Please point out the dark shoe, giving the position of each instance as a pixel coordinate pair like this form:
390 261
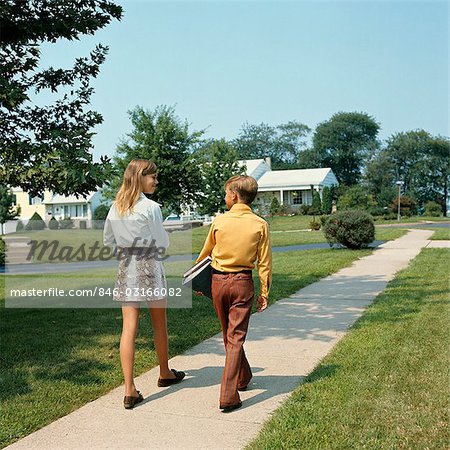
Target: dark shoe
129 401
244 388
227 409
164 382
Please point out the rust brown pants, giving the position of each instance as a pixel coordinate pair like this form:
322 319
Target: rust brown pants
233 297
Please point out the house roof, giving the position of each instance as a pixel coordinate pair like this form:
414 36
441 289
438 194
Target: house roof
58 199
294 177
255 167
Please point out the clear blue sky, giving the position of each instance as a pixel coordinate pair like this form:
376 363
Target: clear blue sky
224 63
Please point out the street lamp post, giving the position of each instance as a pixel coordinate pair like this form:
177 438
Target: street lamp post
399 184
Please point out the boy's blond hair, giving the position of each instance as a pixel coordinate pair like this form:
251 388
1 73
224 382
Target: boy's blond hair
246 187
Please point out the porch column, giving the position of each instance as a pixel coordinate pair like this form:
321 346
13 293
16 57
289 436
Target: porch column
281 196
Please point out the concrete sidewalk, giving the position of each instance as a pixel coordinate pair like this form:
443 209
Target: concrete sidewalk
284 344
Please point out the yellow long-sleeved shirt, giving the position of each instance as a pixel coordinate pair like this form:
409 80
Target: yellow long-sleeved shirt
236 240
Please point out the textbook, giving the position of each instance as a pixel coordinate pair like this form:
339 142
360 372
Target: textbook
199 277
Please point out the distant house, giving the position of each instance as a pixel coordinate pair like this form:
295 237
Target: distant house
58 206
292 186
77 208
28 204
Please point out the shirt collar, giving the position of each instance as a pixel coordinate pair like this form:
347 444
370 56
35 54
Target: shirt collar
240 207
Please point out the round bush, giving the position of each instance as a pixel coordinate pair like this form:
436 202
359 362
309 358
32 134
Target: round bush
20 226
353 229
53 224
66 224
432 209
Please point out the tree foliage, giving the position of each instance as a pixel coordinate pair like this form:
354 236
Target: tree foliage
422 163
163 138
49 146
216 161
282 143
7 210
344 143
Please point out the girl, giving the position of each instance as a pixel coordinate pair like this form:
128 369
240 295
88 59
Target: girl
134 225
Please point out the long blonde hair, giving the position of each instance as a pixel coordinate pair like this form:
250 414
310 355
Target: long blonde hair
131 187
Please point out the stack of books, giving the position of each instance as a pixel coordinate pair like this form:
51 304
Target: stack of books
199 277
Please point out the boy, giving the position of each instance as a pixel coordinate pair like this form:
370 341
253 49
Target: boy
235 241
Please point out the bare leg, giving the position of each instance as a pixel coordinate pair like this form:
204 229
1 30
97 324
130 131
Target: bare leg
130 316
159 324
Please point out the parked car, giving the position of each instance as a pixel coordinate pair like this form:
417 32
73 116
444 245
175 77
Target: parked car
174 222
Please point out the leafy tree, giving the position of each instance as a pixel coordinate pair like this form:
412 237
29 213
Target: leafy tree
48 147
380 179
357 197
216 162
283 143
163 138
7 210
344 143
422 162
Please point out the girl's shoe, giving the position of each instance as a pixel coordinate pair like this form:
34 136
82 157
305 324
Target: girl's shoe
129 401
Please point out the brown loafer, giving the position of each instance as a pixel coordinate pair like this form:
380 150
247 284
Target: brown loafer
129 401
164 382
229 408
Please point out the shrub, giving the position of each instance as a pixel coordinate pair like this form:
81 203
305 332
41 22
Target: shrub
323 220
286 210
316 207
353 229
53 224
433 209
35 223
407 206
2 252
314 225
82 225
274 206
327 200
66 223
101 212
304 210
20 226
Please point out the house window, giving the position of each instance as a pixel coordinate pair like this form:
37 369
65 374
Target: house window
34 200
85 211
297 198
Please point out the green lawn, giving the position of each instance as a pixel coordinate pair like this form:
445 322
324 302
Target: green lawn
55 360
440 234
182 242
415 219
385 385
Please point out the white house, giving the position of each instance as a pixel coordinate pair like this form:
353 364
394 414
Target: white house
292 186
81 208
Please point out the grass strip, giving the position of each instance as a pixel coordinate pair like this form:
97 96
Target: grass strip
385 385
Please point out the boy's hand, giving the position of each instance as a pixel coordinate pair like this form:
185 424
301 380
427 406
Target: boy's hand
199 293
261 303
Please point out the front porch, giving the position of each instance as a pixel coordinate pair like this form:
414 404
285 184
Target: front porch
291 197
